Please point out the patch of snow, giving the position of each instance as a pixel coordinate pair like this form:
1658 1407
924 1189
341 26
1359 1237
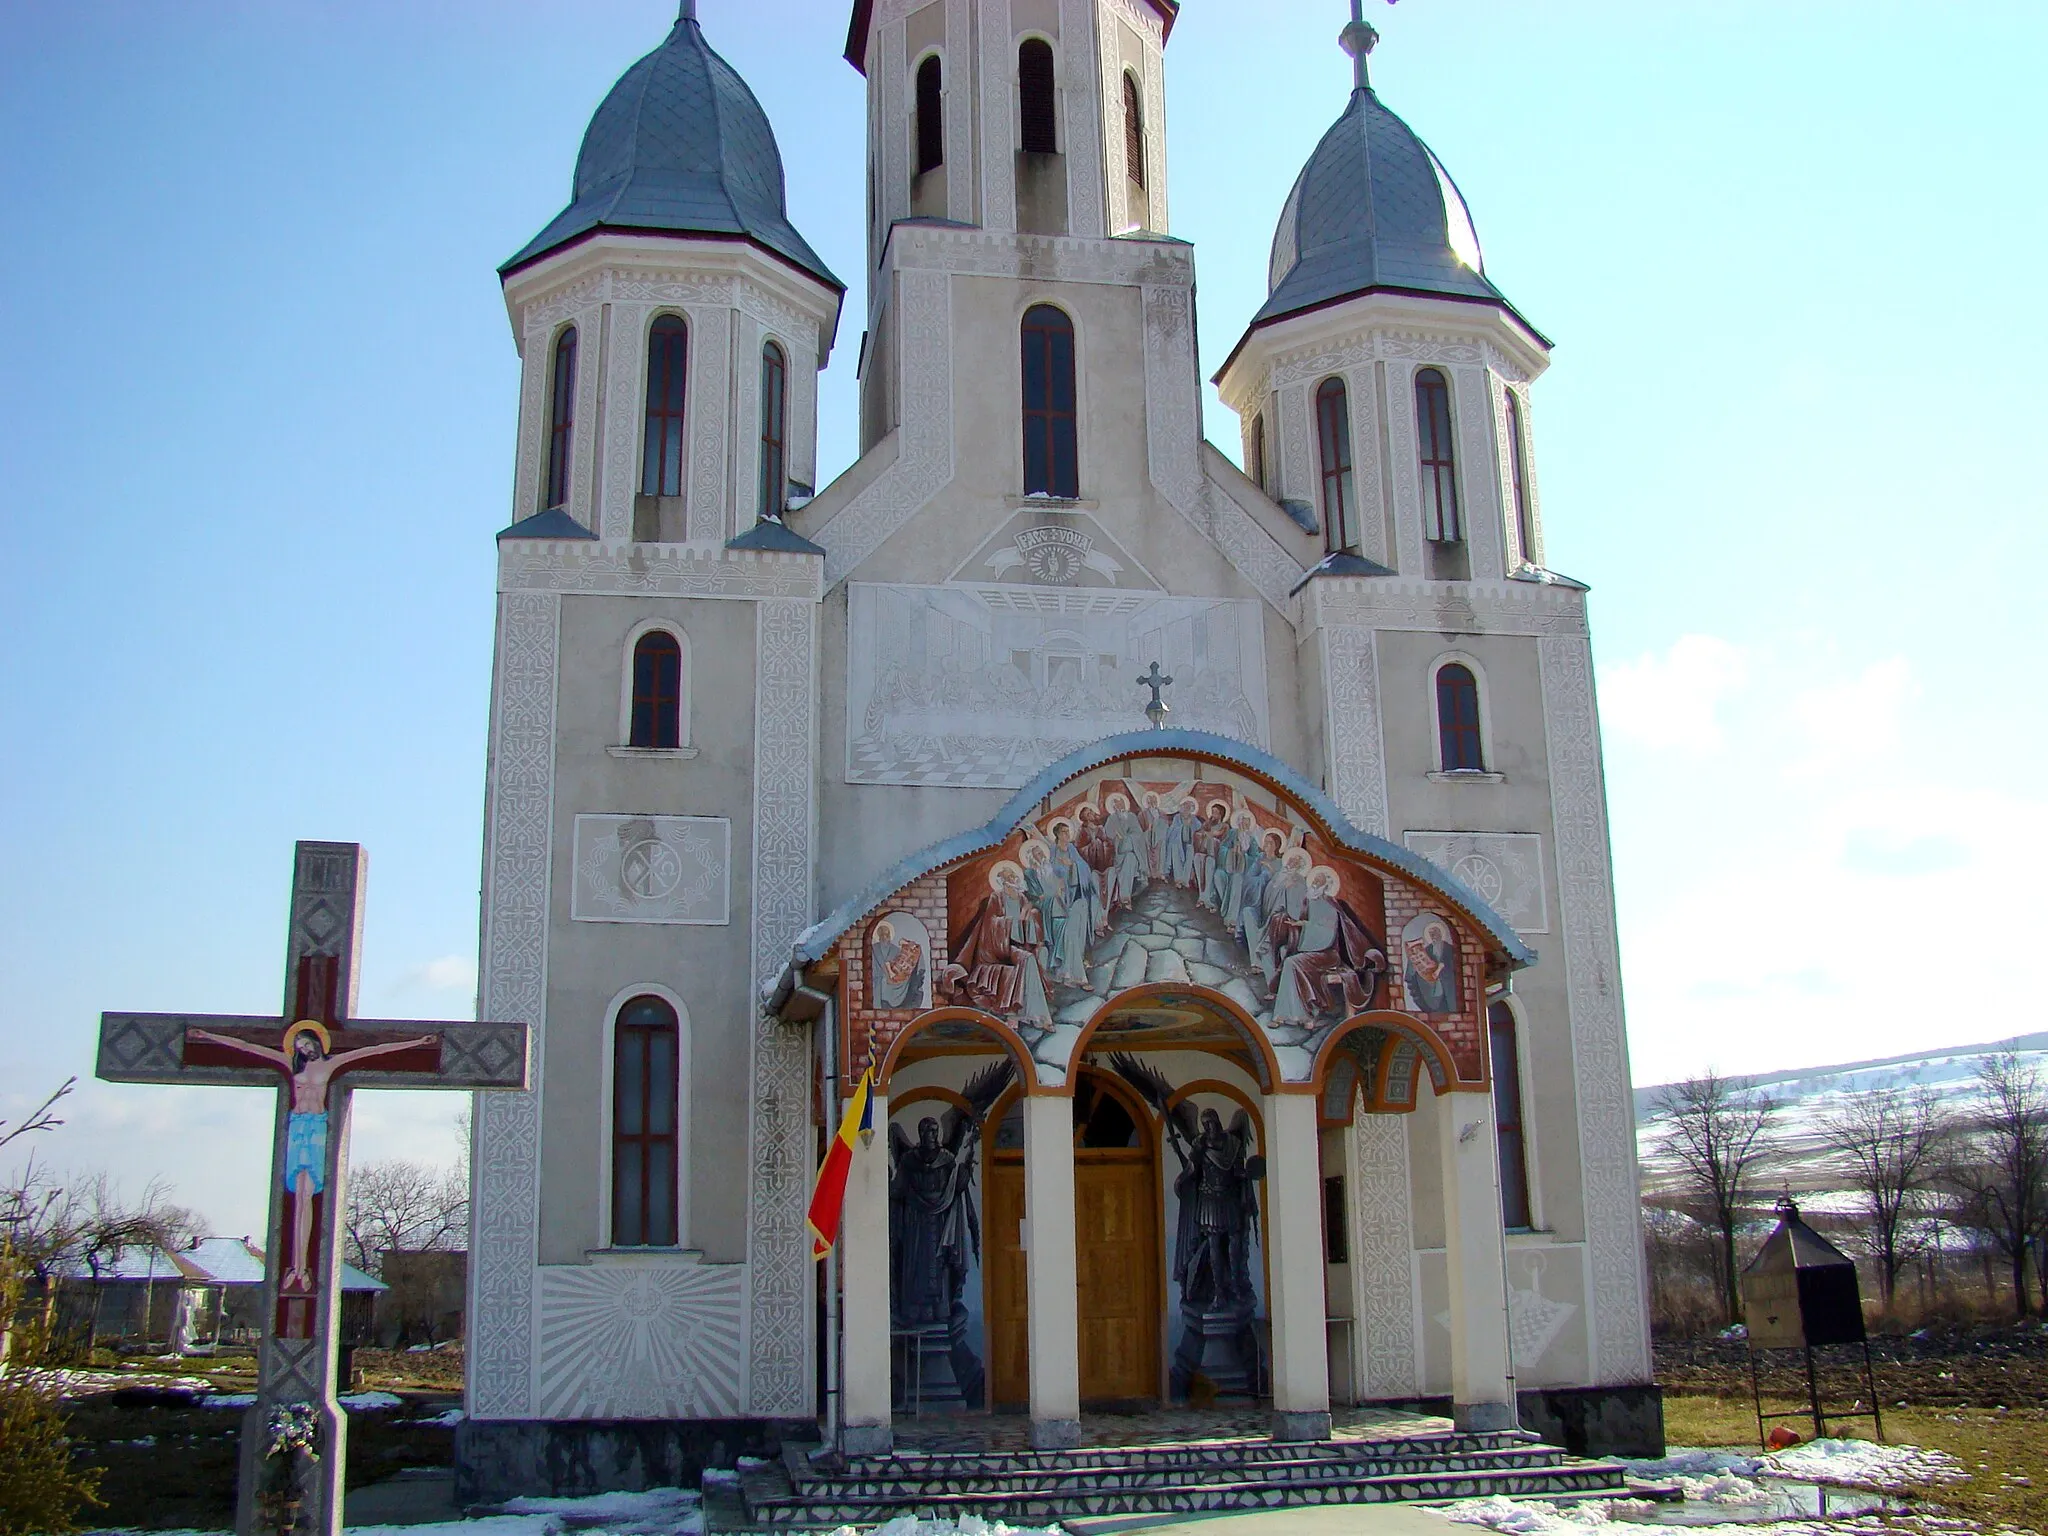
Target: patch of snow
446 1420
724 1479
229 1400
1863 1463
1535 1517
654 1504
362 1402
966 1525
73 1382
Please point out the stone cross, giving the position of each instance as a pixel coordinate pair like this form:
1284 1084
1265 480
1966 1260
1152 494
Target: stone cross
1157 710
313 1056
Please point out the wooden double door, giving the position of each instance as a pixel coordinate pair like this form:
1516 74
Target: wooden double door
1117 1270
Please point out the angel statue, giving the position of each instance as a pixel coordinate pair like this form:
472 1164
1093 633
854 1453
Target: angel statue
935 1236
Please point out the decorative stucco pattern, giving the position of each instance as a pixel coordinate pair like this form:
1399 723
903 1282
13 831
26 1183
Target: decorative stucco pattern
998 82
505 1148
1085 208
625 409
710 395
924 461
653 570
785 771
641 1340
1607 1146
1351 685
1382 1272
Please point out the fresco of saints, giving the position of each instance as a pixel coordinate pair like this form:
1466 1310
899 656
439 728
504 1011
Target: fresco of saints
896 968
1208 840
1430 964
1098 852
1154 820
1074 901
1280 913
1337 963
1239 849
998 962
1127 835
308 1060
1248 910
1180 843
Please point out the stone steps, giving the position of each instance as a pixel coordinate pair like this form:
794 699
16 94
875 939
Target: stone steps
1038 1487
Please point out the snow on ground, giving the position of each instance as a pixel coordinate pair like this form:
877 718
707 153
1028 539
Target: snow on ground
75 1383
1863 1464
364 1401
966 1525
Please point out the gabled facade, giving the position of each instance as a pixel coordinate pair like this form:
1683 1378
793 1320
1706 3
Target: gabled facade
1259 1054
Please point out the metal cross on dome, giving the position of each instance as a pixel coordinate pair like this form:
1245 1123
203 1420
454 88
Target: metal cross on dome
313 1056
1358 40
1157 710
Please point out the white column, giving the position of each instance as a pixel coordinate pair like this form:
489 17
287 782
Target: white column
864 1267
1294 1280
1482 1395
1050 1275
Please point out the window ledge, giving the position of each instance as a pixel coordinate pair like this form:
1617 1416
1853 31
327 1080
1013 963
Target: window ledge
680 754
628 1256
1053 503
1466 776
1532 1236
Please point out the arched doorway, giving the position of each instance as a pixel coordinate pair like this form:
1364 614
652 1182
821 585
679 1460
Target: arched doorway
1118 1308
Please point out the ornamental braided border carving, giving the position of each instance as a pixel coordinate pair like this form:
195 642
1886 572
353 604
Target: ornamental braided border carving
778 1251
1383 1280
1619 1333
1351 686
505 1144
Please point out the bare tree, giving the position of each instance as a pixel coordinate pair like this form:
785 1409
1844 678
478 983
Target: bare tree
2000 1176
1720 1133
400 1206
1890 1142
40 1118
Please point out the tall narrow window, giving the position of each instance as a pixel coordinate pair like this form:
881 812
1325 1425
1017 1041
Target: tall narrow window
1457 719
1439 465
1134 133
668 377
1051 449
1507 1117
1333 434
774 434
646 1079
1037 97
1257 467
931 116
657 691
561 418
1518 473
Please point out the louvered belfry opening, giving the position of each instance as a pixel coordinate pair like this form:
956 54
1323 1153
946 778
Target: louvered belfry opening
931 120
1038 94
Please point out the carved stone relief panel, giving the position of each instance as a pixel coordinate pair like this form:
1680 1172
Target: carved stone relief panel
641 1341
1503 868
710 390
625 412
653 869
983 685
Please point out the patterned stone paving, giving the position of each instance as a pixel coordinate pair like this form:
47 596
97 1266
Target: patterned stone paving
1004 1433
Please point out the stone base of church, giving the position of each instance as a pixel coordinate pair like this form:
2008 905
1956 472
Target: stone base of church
497 1460
1055 1434
1300 1426
1586 1421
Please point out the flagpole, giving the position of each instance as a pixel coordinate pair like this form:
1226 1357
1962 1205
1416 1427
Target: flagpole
833 1354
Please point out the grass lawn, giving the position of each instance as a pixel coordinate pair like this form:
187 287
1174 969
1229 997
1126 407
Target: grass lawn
2005 1453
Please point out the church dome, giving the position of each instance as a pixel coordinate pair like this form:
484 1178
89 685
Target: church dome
680 146
1372 210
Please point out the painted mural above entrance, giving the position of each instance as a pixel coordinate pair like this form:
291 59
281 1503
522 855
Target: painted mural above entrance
1171 901
983 684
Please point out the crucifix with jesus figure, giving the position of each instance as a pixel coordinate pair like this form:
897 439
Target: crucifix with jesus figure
315 1055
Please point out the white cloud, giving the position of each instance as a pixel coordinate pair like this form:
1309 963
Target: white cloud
1855 720
449 973
1672 702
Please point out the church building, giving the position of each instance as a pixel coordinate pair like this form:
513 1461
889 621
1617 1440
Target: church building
1208 868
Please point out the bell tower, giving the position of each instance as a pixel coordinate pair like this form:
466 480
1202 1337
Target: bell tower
1033 116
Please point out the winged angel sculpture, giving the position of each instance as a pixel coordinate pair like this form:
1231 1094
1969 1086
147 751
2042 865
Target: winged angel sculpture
934 1227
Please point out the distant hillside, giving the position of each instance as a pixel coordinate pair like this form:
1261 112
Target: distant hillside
1955 1064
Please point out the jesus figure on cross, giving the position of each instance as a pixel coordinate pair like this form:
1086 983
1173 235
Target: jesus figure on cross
309 1060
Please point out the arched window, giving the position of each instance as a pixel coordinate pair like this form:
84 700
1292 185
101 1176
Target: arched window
1439 465
774 431
931 118
1256 468
646 1088
1518 475
1457 719
1038 97
1333 435
1051 448
1134 132
561 418
668 376
1507 1117
657 691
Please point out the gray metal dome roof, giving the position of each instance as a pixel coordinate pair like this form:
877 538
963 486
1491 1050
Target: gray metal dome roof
1372 209
681 146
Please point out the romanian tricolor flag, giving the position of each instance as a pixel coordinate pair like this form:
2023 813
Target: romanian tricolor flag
828 1198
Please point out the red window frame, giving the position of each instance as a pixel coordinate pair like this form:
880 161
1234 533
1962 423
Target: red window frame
561 419
1457 719
1333 438
657 691
1051 416
1438 454
646 1102
665 450
1134 132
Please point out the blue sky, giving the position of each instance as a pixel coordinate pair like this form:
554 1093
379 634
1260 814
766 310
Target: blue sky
258 390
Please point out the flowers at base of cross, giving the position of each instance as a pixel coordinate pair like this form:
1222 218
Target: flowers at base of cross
293 1444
